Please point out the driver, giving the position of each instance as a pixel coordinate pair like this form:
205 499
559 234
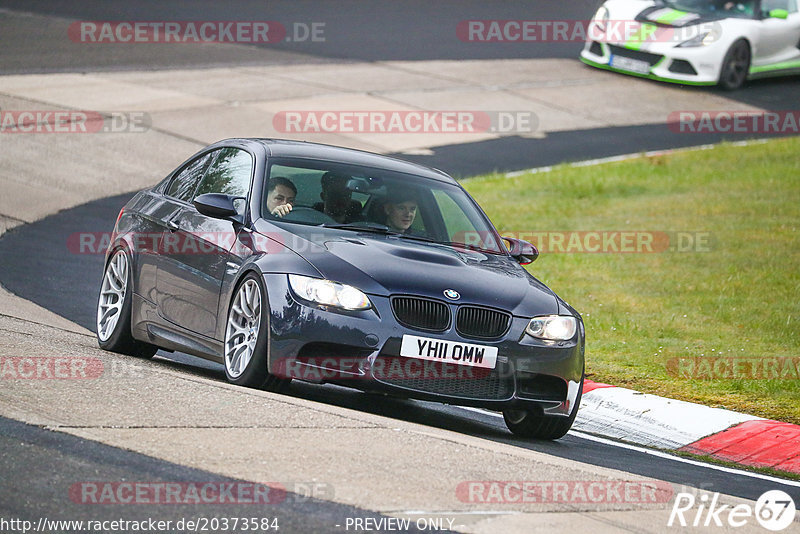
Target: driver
401 210
281 193
742 6
337 202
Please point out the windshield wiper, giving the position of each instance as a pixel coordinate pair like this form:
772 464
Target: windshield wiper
476 248
455 244
383 229
418 238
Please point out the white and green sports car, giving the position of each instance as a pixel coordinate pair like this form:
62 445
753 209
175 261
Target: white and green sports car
696 42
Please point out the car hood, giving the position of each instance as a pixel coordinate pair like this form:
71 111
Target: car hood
647 11
388 265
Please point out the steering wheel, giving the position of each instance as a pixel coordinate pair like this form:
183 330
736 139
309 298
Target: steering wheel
307 215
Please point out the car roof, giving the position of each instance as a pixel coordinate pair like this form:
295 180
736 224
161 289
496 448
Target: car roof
304 149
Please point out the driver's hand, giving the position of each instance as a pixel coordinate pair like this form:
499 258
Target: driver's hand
282 210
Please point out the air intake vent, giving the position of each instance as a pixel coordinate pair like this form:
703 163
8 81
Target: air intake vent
482 323
651 59
680 66
446 378
423 314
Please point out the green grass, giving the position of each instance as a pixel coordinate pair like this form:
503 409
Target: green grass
740 298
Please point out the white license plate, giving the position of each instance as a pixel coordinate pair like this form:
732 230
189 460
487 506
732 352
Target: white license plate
631 65
441 350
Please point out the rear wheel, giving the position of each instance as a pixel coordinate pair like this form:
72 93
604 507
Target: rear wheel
114 310
246 338
528 424
735 66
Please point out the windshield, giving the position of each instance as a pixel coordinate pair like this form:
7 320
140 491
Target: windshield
715 8
362 199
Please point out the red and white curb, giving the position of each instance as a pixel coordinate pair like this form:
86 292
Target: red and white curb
653 421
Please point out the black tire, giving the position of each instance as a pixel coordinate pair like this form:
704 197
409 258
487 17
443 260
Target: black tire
735 66
526 424
118 337
254 373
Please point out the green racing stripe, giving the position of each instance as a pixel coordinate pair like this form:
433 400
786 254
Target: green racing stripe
639 37
646 31
785 65
671 17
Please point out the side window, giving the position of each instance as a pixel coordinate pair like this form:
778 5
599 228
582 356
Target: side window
458 215
456 222
185 182
788 5
229 174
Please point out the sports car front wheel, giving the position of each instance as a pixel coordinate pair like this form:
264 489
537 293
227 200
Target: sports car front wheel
246 337
735 66
114 310
528 424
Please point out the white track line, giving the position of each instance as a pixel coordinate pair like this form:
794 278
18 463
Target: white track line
659 454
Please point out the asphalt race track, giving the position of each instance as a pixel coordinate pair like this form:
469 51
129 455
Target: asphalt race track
60 460
414 30
67 279
70 292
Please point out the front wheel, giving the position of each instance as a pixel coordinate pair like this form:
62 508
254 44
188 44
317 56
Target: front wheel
735 66
527 424
246 338
114 310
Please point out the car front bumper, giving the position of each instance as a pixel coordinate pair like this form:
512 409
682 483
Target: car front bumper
689 66
362 350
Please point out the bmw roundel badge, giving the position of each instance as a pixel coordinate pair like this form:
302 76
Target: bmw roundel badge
452 294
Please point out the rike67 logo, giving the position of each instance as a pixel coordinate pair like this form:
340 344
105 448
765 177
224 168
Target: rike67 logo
774 510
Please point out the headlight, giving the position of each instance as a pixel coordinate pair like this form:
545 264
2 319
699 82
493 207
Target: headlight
702 39
601 18
328 293
553 327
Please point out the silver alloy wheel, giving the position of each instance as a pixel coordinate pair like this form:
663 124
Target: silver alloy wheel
112 295
241 334
736 66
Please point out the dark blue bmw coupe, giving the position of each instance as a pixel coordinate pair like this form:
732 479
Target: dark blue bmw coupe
288 260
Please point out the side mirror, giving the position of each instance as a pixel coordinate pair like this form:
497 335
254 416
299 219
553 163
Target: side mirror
779 14
522 251
216 205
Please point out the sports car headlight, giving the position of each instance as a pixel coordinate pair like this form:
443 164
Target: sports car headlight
328 293
601 18
702 39
553 327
